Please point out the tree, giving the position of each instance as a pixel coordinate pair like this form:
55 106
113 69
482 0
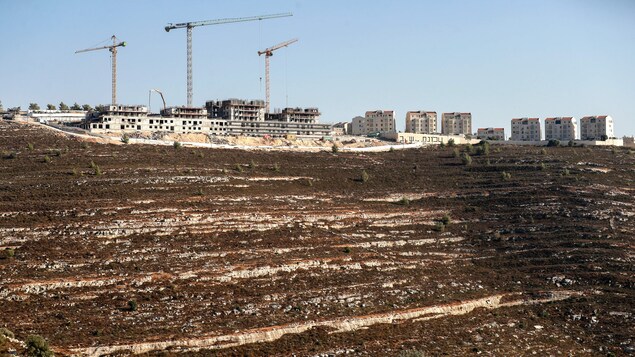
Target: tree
100 108
63 106
50 106
34 106
36 346
604 137
87 107
76 107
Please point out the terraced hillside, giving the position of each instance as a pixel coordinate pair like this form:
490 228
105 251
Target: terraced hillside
122 249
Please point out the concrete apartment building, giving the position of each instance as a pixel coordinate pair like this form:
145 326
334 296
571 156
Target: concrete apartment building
526 129
421 122
561 128
456 123
341 128
377 121
596 127
490 133
236 109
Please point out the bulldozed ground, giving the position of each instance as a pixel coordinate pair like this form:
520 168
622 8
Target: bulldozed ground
136 249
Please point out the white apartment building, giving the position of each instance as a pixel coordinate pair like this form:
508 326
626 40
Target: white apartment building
421 122
491 133
456 123
561 128
526 129
596 127
378 121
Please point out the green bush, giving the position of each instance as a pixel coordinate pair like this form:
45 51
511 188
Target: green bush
364 176
442 145
542 166
506 176
125 139
566 172
456 152
9 252
445 219
9 155
439 227
404 201
176 145
276 167
543 151
346 250
6 332
392 149
29 146
334 149
97 170
252 164
132 305
451 143
239 168
466 159
36 346
47 159
553 142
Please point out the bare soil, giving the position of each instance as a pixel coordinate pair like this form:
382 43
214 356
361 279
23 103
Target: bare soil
236 253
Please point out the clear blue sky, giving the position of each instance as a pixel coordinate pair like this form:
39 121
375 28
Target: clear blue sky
498 59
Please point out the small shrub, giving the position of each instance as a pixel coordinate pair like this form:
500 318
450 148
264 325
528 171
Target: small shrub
466 159
487 162
309 182
276 167
542 166
176 145
97 171
445 220
239 168
439 227
252 164
199 192
553 142
201 155
334 149
506 176
76 172
469 148
411 353
47 159
92 164
451 143
29 146
571 143
6 332
9 252
404 201
543 151
132 305
9 155
442 145
392 149
456 152
55 152
125 139
566 172
36 346
364 176
346 250
84 146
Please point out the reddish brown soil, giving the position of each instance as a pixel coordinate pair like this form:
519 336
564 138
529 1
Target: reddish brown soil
208 249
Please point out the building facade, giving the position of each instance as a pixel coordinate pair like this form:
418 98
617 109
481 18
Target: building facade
377 121
561 128
596 127
421 122
491 133
526 129
236 109
341 128
456 123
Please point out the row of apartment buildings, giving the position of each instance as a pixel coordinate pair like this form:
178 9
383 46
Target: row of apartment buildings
523 129
226 117
420 122
598 127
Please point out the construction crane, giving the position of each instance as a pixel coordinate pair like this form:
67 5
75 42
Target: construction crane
268 53
113 50
190 25
160 93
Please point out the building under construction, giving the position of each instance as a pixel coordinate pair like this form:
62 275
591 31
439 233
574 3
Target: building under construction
235 117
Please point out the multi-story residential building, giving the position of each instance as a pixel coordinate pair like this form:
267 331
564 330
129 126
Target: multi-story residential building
341 128
526 129
491 133
421 122
561 128
236 109
377 121
295 115
456 123
596 127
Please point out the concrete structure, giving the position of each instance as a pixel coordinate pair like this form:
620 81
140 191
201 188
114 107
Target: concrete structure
428 139
376 121
295 115
237 109
491 133
526 129
59 116
421 122
561 128
456 123
629 141
596 127
341 128
608 142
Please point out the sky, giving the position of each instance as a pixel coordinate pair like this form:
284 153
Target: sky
498 59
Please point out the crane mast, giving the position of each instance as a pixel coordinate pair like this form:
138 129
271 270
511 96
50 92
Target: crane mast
268 53
113 50
190 25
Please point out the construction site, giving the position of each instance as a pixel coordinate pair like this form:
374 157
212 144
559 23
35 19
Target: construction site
114 249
